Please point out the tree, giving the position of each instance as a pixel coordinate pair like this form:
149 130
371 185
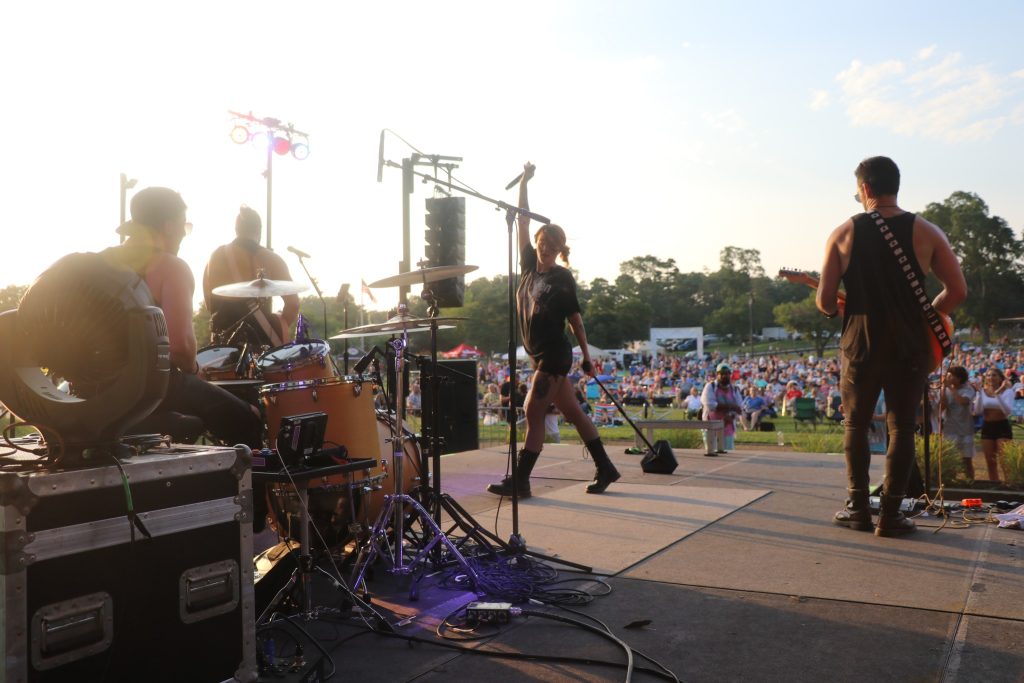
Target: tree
990 255
805 318
10 296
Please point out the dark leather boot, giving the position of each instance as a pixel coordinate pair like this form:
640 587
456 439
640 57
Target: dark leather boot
606 472
527 459
892 522
857 513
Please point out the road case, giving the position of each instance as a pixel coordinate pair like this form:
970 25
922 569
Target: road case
93 592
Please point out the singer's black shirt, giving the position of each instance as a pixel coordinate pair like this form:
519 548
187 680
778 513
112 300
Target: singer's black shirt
545 301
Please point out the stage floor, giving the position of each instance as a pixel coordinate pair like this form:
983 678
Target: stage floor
728 569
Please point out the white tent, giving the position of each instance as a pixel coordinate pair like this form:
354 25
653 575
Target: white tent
521 354
594 351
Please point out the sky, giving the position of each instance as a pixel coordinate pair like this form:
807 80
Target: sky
659 128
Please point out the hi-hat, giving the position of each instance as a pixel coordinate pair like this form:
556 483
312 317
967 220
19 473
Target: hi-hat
423 276
396 324
260 288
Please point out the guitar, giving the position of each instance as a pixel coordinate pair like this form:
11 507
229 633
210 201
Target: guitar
801 278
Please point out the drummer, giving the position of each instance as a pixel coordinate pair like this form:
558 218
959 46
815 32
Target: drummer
241 260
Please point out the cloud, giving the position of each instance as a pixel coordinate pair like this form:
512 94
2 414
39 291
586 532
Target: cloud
819 100
925 52
946 100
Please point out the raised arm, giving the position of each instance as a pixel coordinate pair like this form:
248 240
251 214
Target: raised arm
524 203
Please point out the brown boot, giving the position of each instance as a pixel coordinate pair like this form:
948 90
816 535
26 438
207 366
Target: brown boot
857 512
892 522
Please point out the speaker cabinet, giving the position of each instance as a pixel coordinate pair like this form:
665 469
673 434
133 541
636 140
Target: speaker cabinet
661 460
458 426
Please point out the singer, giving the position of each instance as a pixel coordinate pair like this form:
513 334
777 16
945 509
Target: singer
241 260
546 300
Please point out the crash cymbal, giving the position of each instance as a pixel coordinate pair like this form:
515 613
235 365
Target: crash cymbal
423 276
380 329
398 323
260 288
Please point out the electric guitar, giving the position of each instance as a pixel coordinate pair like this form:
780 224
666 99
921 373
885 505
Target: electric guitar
802 278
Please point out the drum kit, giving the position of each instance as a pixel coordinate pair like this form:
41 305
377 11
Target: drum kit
301 377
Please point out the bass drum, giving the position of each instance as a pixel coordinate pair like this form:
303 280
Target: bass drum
342 505
298 361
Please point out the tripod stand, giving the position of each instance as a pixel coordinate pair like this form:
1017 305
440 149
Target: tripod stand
302 575
394 510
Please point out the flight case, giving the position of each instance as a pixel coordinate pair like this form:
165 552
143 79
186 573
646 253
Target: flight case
89 594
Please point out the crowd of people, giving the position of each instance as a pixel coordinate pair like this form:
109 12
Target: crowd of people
767 385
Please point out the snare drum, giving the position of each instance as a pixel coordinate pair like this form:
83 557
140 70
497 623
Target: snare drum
217 363
298 361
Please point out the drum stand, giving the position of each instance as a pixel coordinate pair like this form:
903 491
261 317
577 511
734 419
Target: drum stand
394 506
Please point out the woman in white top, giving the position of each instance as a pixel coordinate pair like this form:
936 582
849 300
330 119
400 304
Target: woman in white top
994 402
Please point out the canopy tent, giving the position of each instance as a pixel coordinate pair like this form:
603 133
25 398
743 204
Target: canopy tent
594 351
521 354
463 351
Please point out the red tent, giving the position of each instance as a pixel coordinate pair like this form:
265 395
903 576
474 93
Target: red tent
463 351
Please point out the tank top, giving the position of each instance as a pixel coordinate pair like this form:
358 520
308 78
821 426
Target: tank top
882 316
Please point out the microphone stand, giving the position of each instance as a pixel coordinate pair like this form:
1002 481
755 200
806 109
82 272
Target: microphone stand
516 542
316 288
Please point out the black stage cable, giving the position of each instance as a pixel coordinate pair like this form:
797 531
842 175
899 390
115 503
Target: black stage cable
557 659
603 625
316 643
44 449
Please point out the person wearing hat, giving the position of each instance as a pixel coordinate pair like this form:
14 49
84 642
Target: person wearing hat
158 225
721 402
243 260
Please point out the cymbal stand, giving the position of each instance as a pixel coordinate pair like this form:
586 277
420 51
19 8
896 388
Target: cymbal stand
378 544
316 288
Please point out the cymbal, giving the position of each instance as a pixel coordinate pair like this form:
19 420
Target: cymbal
260 288
423 276
396 324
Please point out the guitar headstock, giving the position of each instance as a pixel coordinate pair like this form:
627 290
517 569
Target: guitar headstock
798 277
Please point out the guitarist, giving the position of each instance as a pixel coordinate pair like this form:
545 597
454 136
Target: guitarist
885 342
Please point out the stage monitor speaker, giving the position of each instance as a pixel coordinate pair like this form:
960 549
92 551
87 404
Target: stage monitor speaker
661 460
457 404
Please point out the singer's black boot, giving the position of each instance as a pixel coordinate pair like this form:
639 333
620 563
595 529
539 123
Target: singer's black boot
606 472
857 512
527 459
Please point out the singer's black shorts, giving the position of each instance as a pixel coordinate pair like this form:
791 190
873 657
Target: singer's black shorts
557 361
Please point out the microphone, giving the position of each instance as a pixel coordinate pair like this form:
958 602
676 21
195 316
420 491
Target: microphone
380 157
364 362
299 252
514 181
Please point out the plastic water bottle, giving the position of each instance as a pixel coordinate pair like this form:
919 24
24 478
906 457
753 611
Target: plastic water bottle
780 439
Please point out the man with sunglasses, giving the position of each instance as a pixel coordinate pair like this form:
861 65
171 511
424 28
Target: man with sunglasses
885 342
158 225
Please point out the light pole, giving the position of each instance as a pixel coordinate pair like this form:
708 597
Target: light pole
281 138
125 186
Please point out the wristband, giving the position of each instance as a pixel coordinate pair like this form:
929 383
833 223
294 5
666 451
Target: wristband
831 315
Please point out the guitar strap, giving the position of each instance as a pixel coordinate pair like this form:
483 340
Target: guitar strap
268 328
916 284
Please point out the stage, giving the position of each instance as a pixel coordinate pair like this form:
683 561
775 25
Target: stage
728 569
